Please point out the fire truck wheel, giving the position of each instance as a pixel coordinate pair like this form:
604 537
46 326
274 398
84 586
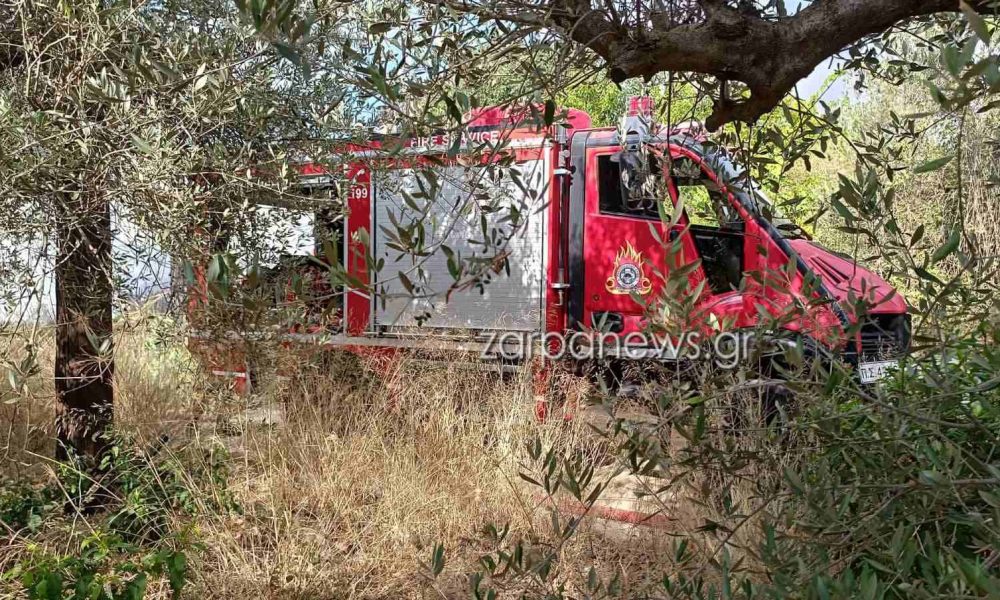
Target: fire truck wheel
770 365
777 404
761 402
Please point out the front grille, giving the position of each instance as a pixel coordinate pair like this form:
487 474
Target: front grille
884 336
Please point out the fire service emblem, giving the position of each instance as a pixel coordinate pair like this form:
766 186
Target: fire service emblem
628 276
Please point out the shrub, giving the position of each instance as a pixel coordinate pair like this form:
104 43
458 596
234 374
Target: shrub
23 506
887 491
103 567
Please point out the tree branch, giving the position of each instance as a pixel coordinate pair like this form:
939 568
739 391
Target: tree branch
769 55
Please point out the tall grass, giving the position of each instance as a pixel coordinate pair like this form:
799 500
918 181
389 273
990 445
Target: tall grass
155 388
341 478
335 481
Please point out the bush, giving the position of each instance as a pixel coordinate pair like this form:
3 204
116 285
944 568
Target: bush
888 491
103 567
23 506
135 507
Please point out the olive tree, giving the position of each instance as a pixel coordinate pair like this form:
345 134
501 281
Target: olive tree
163 111
760 44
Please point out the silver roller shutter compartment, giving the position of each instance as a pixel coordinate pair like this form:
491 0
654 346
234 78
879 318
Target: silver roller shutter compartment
509 302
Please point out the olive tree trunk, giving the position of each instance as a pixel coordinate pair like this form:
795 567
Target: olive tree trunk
84 294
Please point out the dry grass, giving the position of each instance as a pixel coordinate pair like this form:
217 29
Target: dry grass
154 387
348 495
346 492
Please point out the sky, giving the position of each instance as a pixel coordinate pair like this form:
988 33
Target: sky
817 80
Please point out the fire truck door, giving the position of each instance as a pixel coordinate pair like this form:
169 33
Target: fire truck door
625 247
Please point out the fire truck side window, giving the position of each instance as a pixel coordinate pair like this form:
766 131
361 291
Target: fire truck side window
300 273
704 204
328 223
716 227
613 199
328 227
699 206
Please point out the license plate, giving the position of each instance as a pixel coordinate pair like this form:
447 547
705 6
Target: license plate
871 372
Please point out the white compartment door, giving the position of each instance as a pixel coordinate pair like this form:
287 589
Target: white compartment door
453 218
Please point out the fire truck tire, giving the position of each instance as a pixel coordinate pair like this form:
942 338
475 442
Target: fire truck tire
758 403
773 369
767 386
562 393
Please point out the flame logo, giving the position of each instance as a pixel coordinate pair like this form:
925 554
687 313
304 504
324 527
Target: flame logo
628 275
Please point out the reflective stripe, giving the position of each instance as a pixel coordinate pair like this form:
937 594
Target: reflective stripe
237 374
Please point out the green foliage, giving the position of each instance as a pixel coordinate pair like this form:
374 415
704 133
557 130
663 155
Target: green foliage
148 491
884 492
104 567
927 526
23 506
606 102
135 539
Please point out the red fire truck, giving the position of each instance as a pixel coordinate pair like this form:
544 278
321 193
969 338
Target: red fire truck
569 239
